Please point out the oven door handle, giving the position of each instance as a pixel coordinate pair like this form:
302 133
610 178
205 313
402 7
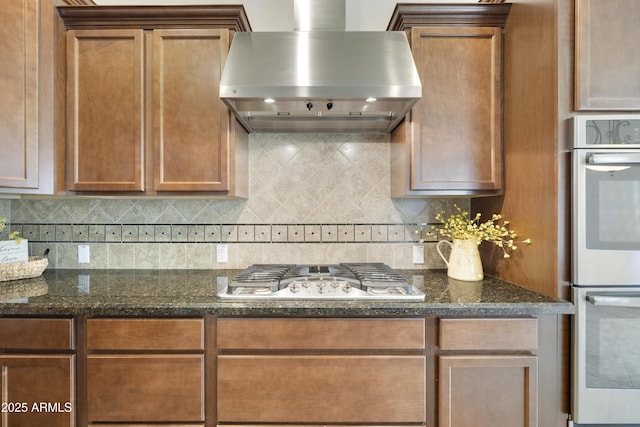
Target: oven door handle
614 301
612 158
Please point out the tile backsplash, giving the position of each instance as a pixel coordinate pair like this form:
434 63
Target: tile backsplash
314 198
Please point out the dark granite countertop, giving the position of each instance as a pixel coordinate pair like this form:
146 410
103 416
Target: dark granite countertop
193 293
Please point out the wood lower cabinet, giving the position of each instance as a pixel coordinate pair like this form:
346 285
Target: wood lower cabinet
146 425
37 363
488 373
321 371
178 372
451 142
143 109
37 390
145 371
145 387
488 390
321 389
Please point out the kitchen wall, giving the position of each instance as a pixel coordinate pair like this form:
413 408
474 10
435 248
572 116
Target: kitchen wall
315 198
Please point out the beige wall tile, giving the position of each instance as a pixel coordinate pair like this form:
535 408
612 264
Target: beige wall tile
121 255
146 255
322 197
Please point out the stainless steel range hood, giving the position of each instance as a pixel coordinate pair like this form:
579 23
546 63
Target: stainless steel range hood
320 80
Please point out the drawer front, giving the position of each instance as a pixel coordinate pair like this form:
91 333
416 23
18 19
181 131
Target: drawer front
146 425
319 334
145 334
164 388
488 334
36 334
321 389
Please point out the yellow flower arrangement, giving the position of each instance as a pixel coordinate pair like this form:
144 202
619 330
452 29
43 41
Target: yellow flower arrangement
460 226
13 235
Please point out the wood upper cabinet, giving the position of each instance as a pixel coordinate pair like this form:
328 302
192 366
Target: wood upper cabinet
488 373
607 57
143 108
191 134
38 372
19 106
26 105
451 142
105 81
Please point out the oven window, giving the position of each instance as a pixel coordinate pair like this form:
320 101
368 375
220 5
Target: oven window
613 207
612 347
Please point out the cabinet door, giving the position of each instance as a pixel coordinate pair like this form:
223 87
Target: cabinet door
19 88
37 391
191 125
607 56
145 388
451 142
488 390
105 110
321 389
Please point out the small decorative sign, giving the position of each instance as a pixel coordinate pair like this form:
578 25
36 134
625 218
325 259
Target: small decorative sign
14 251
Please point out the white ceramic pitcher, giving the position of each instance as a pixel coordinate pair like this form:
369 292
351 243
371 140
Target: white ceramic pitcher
464 261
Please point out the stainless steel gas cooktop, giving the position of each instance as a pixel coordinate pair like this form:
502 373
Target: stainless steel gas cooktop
348 281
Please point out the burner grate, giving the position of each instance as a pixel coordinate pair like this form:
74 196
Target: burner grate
335 281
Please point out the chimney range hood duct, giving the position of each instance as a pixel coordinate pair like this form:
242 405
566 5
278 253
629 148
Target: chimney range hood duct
320 78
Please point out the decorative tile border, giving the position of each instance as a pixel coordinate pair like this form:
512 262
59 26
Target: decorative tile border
223 233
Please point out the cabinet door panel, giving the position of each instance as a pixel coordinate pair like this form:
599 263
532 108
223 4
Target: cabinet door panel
19 88
607 59
191 124
105 140
496 391
321 389
460 116
145 388
38 391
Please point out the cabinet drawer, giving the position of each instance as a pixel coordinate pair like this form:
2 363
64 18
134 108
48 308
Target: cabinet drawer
145 334
488 334
321 389
318 334
146 425
36 334
163 388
